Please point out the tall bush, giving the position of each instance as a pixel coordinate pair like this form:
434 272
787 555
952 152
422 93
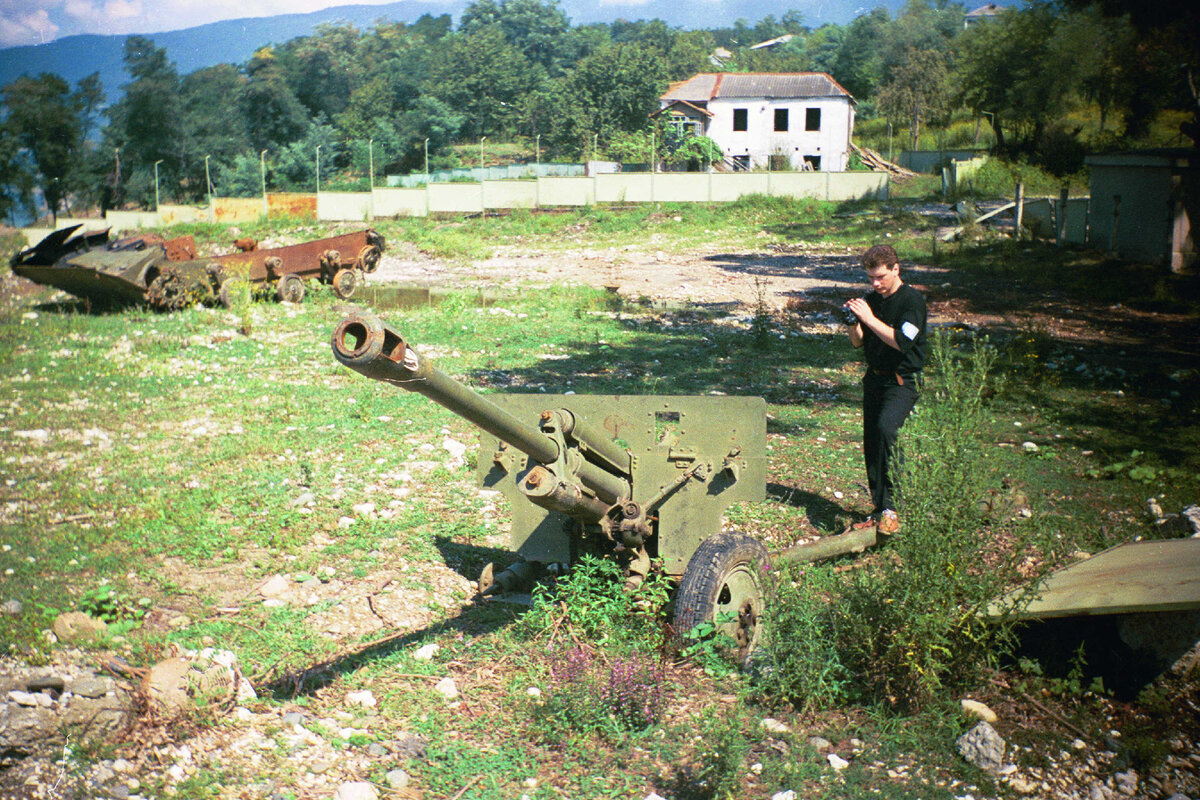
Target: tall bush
909 620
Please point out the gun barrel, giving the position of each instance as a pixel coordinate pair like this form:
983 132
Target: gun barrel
365 344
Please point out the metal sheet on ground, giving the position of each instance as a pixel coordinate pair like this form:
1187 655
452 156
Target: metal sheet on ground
1139 576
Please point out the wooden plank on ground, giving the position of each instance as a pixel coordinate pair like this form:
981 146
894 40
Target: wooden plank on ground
1139 576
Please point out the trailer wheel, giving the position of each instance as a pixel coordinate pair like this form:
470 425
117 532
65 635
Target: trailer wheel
722 585
368 258
289 289
345 283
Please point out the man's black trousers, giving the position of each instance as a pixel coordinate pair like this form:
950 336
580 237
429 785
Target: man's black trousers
887 402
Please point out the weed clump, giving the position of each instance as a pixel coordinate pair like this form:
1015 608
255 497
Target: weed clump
910 621
592 694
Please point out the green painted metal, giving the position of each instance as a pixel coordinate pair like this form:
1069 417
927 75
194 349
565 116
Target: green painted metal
641 476
1133 577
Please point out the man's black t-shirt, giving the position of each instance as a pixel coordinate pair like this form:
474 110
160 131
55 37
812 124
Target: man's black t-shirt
904 311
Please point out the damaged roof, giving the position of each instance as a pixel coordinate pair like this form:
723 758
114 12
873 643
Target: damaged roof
705 86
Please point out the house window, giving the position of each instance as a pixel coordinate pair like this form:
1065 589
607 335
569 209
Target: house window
812 119
781 119
812 163
741 162
740 119
778 163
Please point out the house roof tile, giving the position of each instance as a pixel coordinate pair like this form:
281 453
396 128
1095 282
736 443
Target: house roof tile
707 86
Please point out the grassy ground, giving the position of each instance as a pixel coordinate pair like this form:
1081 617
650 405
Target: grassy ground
173 458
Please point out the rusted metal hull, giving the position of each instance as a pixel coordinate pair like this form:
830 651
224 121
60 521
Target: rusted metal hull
167 274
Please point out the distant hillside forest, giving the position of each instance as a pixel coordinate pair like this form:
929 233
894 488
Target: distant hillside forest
1045 83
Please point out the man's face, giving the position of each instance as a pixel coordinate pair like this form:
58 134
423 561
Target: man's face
884 280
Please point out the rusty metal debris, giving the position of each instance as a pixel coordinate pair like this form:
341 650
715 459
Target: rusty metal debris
166 273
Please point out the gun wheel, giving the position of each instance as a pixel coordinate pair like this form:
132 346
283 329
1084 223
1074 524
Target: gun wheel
290 289
722 585
170 291
345 283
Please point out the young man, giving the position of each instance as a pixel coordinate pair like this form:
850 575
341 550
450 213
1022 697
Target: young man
889 324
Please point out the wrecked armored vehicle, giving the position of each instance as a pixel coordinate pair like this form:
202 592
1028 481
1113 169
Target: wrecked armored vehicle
167 274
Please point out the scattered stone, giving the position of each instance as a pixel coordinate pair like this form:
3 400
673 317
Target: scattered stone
363 509
91 686
356 790
456 449
23 699
977 709
785 795
983 747
11 607
408 746
426 652
364 699
533 692
75 626
837 762
1029 447
1022 786
275 586
819 743
397 779
774 726
377 750
1127 782
447 688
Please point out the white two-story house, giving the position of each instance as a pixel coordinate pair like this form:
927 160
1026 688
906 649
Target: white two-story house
767 120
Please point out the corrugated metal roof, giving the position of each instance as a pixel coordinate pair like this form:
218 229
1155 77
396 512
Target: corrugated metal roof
726 85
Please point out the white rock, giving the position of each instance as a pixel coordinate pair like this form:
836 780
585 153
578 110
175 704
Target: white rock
837 762
530 783
771 725
454 448
655 796
397 779
447 688
356 790
275 586
785 795
274 602
176 772
426 652
1030 447
977 709
345 522
756 768
533 691
364 699
22 698
363 509
1022 786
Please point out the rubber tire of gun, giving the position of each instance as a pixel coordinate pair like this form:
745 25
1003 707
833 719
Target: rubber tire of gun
724 575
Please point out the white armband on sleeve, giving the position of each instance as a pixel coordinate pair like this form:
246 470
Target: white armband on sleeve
909 330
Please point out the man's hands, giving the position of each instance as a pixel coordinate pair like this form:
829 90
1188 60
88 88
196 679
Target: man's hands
859 308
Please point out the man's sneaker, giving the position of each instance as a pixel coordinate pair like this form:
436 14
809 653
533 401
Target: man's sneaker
889 523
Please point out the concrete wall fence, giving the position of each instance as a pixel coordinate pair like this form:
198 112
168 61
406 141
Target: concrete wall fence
549 191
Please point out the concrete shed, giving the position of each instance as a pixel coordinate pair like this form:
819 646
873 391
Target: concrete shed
1143 204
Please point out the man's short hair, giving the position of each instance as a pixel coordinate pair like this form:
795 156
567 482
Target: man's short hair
881 255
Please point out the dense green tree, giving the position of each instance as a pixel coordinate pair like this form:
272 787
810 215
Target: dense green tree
919 89
16 177
1164 71
147 123
43 118
209 129
274 117
859 63
321 70
482 76
535 27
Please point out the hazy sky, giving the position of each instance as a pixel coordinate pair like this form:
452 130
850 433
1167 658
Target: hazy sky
38 21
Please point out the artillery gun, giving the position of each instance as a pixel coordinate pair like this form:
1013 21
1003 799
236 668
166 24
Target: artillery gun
642 479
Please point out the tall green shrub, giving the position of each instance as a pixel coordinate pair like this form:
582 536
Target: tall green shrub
908 621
